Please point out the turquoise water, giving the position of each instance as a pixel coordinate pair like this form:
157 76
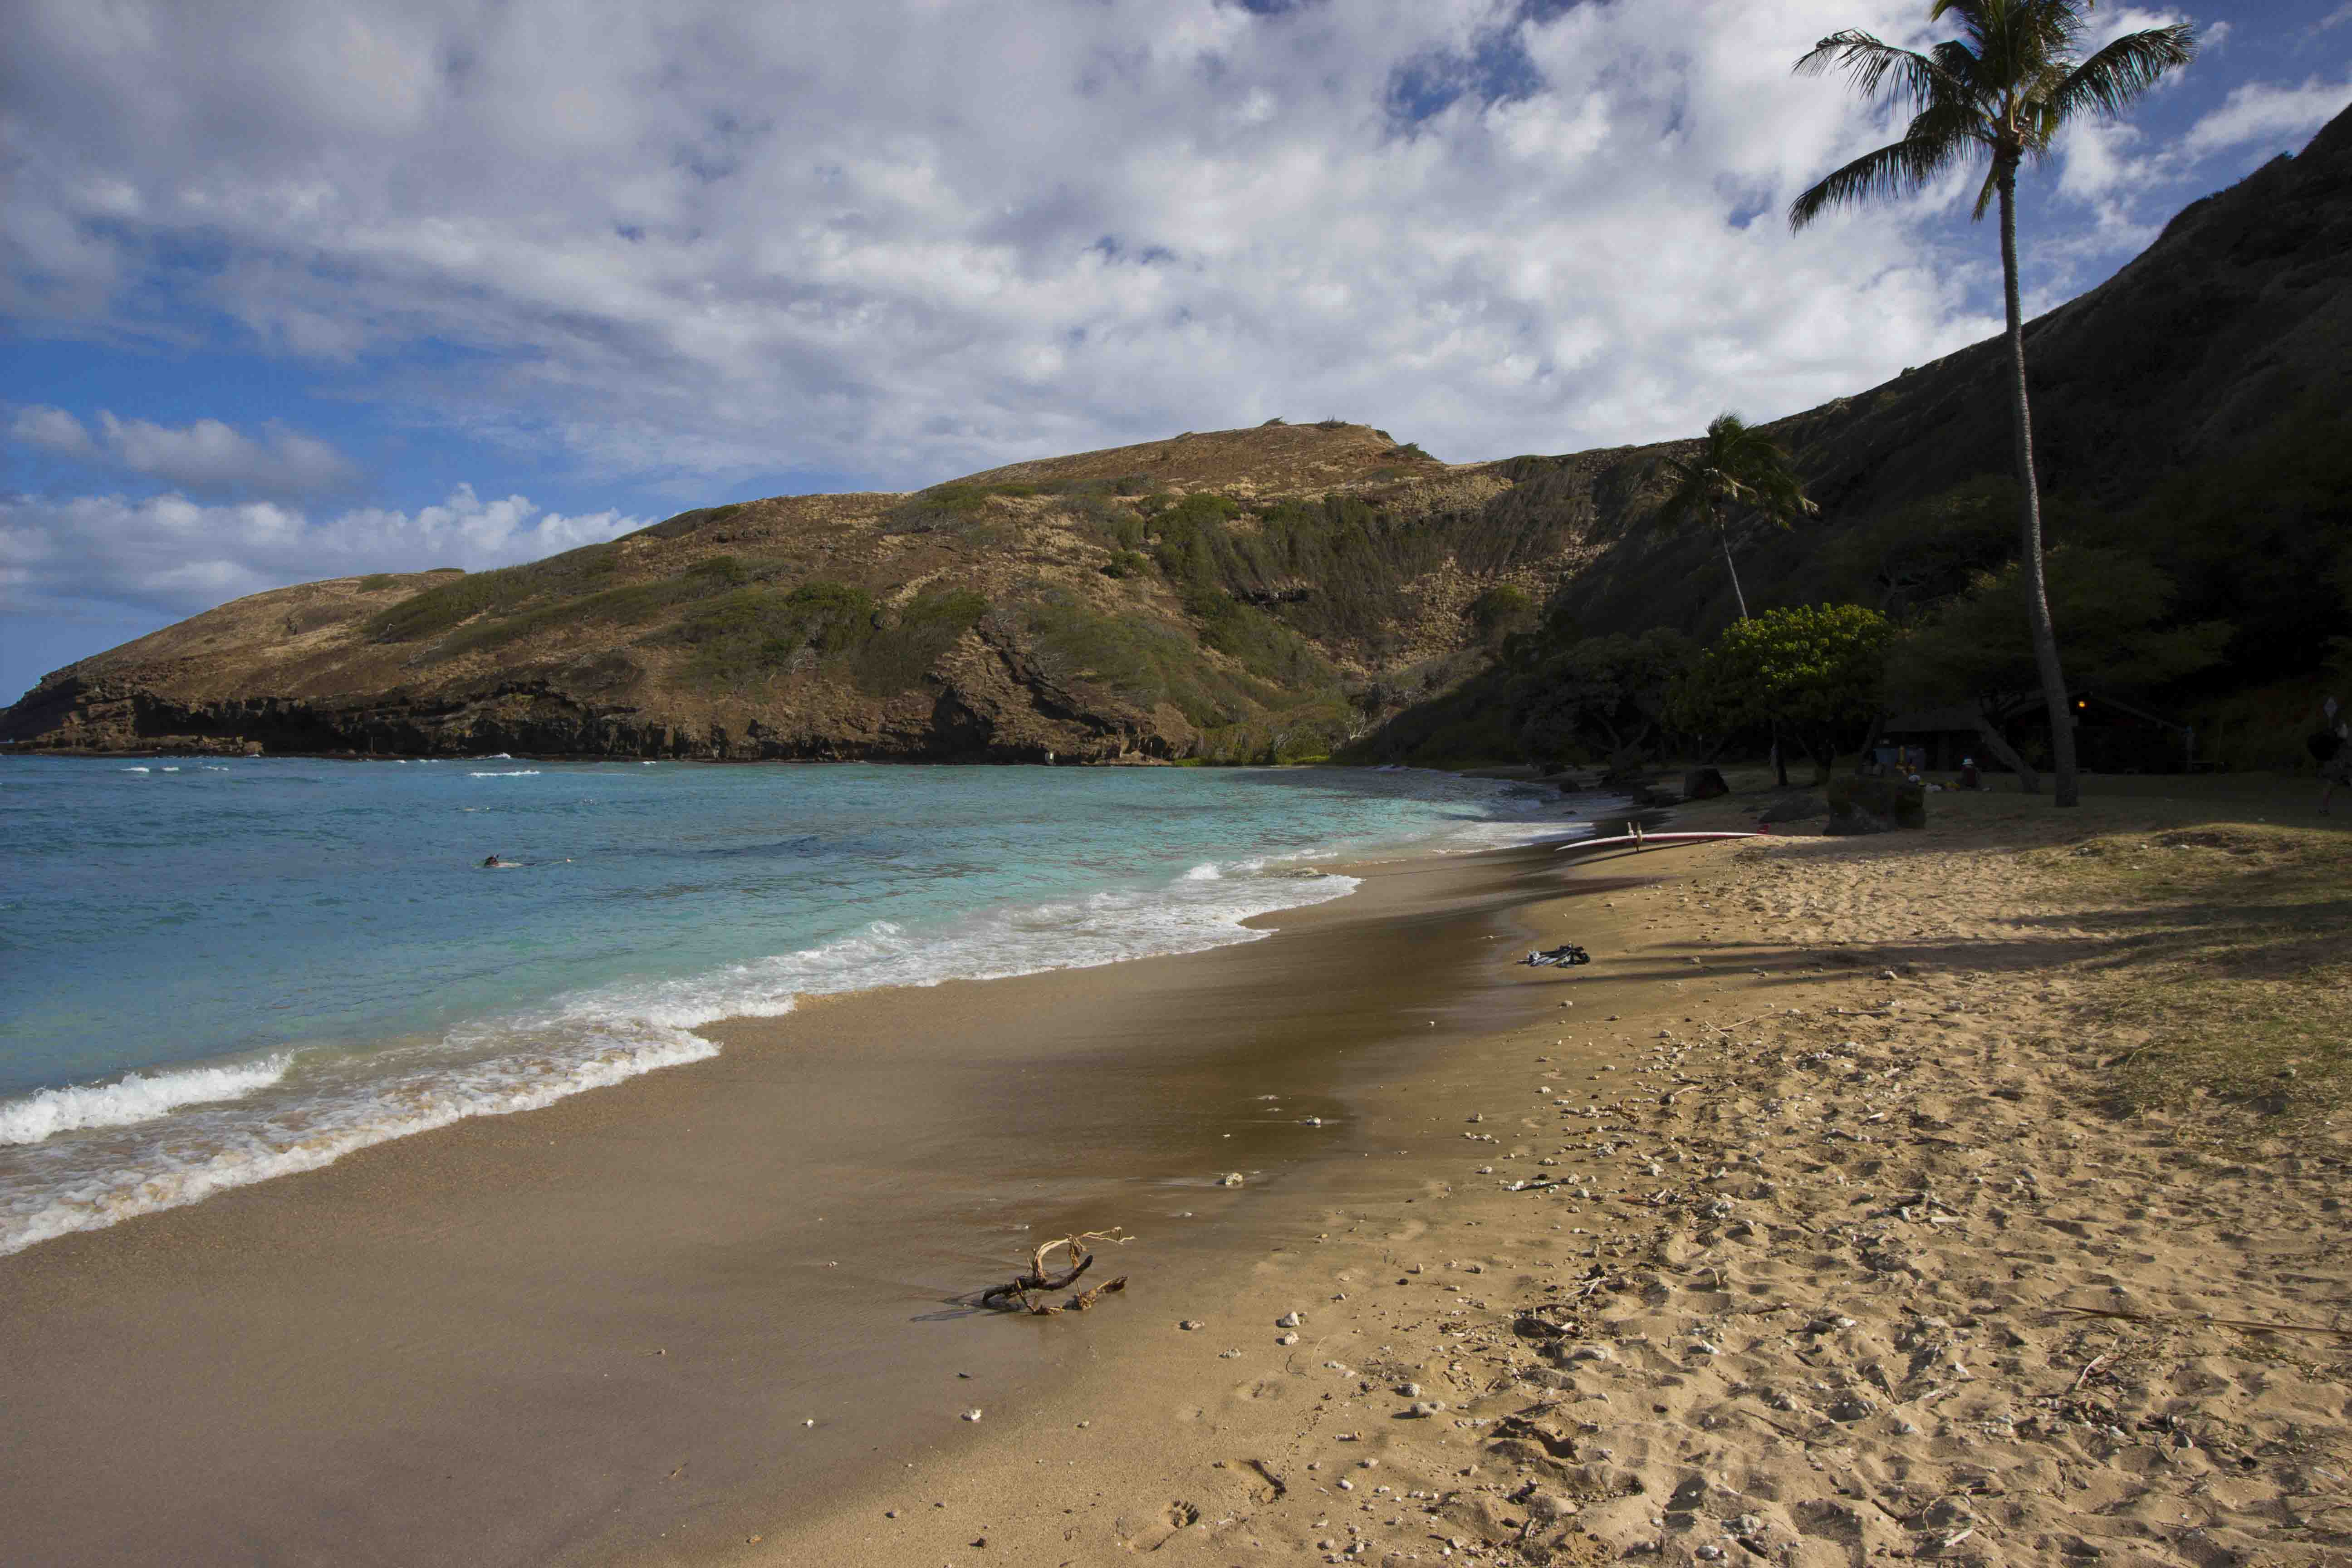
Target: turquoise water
214 972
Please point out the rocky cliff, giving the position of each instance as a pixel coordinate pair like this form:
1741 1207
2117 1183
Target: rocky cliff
1117 605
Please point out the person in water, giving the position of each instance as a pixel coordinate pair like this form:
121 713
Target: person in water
493 860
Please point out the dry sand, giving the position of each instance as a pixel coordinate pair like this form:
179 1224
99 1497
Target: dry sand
1821 1219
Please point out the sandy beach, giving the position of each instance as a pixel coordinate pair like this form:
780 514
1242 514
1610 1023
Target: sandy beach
1864 1198
1820 1220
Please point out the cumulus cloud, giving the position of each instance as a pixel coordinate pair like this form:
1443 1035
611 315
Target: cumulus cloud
2109 167
2268 111
207 458
896 240
174 556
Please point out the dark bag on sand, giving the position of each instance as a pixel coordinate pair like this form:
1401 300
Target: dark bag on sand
1559 957
2323 744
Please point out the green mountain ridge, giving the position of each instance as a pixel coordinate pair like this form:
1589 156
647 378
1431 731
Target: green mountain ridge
1293 590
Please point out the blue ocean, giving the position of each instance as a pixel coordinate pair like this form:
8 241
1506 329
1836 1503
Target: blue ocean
214 971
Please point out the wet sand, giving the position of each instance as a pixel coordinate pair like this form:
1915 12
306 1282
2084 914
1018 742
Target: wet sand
601 1331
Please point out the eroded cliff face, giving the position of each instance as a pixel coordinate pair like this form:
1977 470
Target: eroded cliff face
984 713
1117 606
980 700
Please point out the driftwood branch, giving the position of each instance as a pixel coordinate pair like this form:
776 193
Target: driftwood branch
1017 1294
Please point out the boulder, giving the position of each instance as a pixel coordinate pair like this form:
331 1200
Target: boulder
1792 808
1875 805
1703 783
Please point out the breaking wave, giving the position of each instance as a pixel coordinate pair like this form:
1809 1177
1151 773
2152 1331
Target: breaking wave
134 1098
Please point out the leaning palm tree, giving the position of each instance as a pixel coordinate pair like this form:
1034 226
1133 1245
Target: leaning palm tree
2001 90
1736 466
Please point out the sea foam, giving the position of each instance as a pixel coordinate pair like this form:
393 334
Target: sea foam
134 1098
527 1058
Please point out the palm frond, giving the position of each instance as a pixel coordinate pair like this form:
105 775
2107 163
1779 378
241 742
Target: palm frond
1869 63
2016 39
2103 85
1960 66
1898 169
1948 121
1972 17
1985 192
1740 465
1688 496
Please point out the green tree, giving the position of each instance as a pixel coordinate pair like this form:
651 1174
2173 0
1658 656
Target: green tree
2002 92
1735 465
1810 672
1605 694
1976 651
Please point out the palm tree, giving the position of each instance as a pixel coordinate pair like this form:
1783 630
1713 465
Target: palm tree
2001 90
1735 465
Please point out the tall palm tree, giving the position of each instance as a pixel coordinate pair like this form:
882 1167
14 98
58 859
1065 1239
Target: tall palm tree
2001 90
1735 465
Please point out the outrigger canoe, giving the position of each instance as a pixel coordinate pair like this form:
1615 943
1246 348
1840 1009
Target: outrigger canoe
1636 839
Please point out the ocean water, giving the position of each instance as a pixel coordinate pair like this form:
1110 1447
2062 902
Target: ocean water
214 972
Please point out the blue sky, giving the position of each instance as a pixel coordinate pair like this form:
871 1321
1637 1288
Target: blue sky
295 291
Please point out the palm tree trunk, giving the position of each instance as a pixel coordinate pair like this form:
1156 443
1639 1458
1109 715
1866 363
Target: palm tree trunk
1997 744
1723 537
2037 594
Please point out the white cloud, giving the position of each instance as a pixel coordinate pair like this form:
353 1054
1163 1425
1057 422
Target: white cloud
2268 111
53 430
2098 163
170 554
902 240
207 458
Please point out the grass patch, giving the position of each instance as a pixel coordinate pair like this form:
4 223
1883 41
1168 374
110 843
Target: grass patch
1308 733
1142 659
630 605
752 633
686 522
961 510
447 605
2230 973
902 651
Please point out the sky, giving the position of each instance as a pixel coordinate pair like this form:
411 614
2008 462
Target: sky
291 291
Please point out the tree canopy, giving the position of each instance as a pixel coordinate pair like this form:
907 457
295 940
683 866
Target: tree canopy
1605 695
2000 91
1813 673
1736 465
2108 605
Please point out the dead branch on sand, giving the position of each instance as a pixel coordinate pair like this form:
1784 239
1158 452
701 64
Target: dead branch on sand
1017 1294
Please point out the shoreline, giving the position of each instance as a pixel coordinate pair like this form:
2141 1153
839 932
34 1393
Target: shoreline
1112 912
544 1282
